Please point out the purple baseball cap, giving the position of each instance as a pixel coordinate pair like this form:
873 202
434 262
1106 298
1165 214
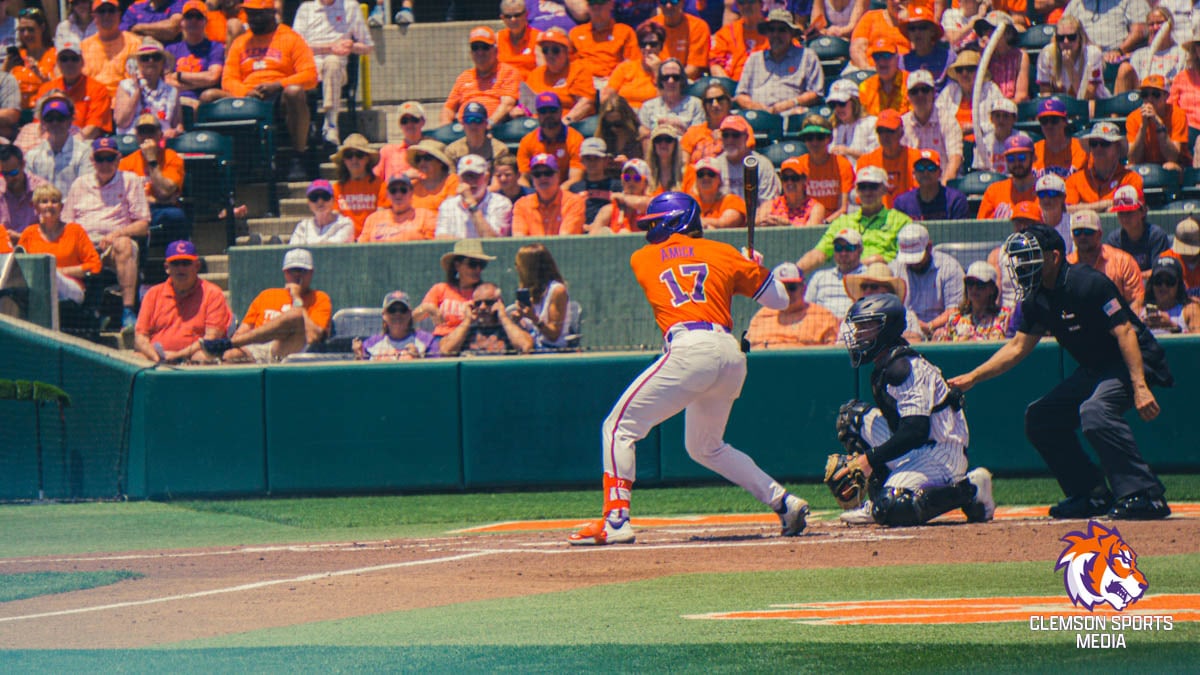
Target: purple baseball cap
319 185
474 113
1018 143
1052 107
547 99
105 144
181 250
543 159
56 105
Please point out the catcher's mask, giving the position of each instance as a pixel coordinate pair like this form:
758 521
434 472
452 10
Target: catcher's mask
670 213
873 324
1025 256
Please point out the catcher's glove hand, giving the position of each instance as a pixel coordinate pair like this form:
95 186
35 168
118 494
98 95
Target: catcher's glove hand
845 480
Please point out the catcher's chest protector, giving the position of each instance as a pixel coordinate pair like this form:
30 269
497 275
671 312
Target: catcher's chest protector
894 371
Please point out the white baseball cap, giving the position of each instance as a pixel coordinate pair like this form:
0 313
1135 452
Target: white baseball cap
981 270
842 91
1051 181
1004 105
1085 220
298 258
913 240
472 164
919 78
850 236
871 174
788 273
593 147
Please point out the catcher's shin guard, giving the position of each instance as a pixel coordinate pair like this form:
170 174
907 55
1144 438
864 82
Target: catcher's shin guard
906 507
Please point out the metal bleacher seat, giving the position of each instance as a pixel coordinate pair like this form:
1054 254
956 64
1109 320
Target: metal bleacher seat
1117 108
1190 185
967 252
768 127
208 186
1158 184
697 88
1189 206
587 126
781 151
974 184
250 122
127 144
348 324
511 132
833 52
858 76
448 133
1077 113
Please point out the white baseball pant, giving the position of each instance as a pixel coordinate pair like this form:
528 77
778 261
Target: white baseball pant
937 465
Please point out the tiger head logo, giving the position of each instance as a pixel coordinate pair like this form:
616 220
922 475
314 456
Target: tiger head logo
1099 567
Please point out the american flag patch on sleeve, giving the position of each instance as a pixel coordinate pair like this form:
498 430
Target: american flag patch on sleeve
1112 307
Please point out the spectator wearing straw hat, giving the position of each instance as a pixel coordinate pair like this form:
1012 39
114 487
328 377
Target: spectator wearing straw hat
784 78
435 180
1157 131
357 192
282 321
1186 249
935 279
553 138
474 212
1114 263
496 85
1093 186
875 279
550 210
928 126
800 324
930 200
876 223
147 91
1143 240
336 32
447 301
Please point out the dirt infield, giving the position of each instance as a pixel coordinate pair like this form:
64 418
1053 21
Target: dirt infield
186 594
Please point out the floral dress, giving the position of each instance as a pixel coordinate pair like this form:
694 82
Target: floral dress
797 216
963 327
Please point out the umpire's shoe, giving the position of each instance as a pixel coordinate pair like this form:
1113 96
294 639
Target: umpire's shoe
1095 503
1140 506
613 528
794 516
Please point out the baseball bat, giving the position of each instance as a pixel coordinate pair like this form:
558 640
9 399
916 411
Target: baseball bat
750 194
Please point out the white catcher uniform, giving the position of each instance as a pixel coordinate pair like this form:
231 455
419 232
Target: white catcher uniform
690 283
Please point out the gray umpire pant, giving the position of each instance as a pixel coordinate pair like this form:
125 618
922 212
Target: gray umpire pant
1096 402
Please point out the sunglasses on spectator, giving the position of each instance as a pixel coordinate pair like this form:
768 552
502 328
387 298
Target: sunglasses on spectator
706 174
69 57
672 77
790 177
776 28
869 187
650 45
482 304
928 167
631 177
30 13
147 129
1052 119
882 131
548 110
354 154
480 47
840 104
195 16
102 159
812 138
1017 157
475 265
966 69
53 118
793 286
1153 93
729 133
105 9
552 50
400 189
664 139
920 90
1083 232
669 2
1095 143
410 120
883 56
975 283
1163 281
320 197
542 174
10 173
1050 194
512 16
150 58
873 286
397 309
713 100
417 159
1066 37
844 248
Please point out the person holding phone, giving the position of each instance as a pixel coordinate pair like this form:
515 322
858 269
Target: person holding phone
542 299
487 329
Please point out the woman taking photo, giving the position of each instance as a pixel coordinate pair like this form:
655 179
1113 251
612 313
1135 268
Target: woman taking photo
980 316
37 62
1071 65
1169 309
544 311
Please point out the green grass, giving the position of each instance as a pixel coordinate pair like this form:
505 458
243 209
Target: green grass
33 584
32 530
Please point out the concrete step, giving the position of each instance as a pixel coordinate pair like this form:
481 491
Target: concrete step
216 264
245 241
221 279
117 340
266 227
294 207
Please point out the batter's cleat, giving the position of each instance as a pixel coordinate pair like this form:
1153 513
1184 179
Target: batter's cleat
1140 506
1096 503
794 516
860 516
611 529
983 507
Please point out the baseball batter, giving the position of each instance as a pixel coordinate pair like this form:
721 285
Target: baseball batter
912 444
689 282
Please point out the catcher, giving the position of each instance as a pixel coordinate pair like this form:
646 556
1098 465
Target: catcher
908 453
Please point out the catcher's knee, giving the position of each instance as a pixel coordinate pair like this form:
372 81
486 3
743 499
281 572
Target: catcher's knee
851 421
907 506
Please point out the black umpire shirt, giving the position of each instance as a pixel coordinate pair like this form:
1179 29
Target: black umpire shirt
1079 312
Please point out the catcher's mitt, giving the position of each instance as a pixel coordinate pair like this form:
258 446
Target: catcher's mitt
848 489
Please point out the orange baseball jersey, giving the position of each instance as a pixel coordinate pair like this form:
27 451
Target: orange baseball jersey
171 168
688 279
1177 130
829 181
275 301
218 24
106 62
283 57
358 199
875 26
577 83
899 171
998 200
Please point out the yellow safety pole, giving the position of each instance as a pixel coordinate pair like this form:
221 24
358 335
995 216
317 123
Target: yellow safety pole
364 70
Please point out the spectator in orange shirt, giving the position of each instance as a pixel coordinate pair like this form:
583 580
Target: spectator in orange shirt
357 192
625 207
1110 260
494 84
74 254
93 105
602 43
283 321
561 74
272 62
447 302
1020 186
877 24
550 210
887 89
800 324
402 221
1057 152
1157 131
830 177
1093 187
34 64
516 42
162 168
181 312
107 53
436 180
734 43
1186 249
634 79
554 138
704 140
687 38
393 158
226 23
896 160
718 208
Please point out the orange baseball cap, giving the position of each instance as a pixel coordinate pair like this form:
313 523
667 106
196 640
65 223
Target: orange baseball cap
739 123
96 4
889 119
929 156
1027 211
1154 82
793 164
482 34
883 46
195 5
258 4
921 14
554 35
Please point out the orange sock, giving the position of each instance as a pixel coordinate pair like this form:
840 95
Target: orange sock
616 493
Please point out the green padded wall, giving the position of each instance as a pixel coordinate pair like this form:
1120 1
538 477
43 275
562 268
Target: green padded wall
38 271
1171 439
538 420
363 427
25 356
99 383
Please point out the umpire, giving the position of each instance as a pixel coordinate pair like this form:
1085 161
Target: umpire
1118 360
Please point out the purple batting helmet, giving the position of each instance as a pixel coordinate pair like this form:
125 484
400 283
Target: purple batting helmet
670 213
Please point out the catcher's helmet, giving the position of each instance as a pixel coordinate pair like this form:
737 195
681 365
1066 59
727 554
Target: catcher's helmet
1025 255
873 324
668 214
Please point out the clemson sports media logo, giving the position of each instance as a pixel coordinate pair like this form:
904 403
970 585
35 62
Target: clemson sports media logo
1099 567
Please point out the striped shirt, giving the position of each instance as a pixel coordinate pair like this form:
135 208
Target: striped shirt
932 291
827 289
63 167
103 209
940 133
